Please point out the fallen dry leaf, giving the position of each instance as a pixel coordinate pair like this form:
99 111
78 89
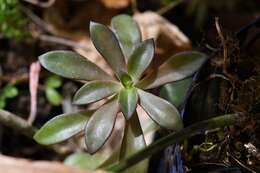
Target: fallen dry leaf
74 25
116 4
168 37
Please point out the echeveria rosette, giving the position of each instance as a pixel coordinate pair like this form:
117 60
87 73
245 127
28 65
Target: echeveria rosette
128 57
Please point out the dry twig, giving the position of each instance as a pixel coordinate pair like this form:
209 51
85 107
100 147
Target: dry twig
223 41
34 81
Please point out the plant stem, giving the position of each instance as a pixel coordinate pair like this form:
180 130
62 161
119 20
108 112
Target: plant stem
157 146
15 122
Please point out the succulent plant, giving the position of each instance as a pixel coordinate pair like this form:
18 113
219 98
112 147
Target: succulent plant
128 56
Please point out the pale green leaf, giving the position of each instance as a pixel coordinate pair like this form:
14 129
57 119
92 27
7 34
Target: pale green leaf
178 67
108 46
176 92
128 101
96 90
85 161
133 141
72 65
160 110
127 32
100 126
62 127
140 59
112 158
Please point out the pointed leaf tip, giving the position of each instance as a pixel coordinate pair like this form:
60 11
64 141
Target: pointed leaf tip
128 101
141 59
108 46
127 32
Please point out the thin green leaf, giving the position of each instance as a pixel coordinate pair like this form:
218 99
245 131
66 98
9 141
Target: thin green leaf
160 110
100 126
127 32
53 96
141 58
72 65
178 67
176 92
95 90
85 161
133 141
128 101
108 46
62 127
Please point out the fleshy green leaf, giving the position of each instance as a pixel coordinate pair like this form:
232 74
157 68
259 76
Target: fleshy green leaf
128 101
85 161
100 126
62 127
53 81
176 92
133 141
53 96
113 158
127 32
95 90
140 59
178 67
72 65
160 110
108 46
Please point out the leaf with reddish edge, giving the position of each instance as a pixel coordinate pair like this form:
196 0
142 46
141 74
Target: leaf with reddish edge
176 68
72 65
62 127
108 46
127 32
140 59
160 110
100 125
95 91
